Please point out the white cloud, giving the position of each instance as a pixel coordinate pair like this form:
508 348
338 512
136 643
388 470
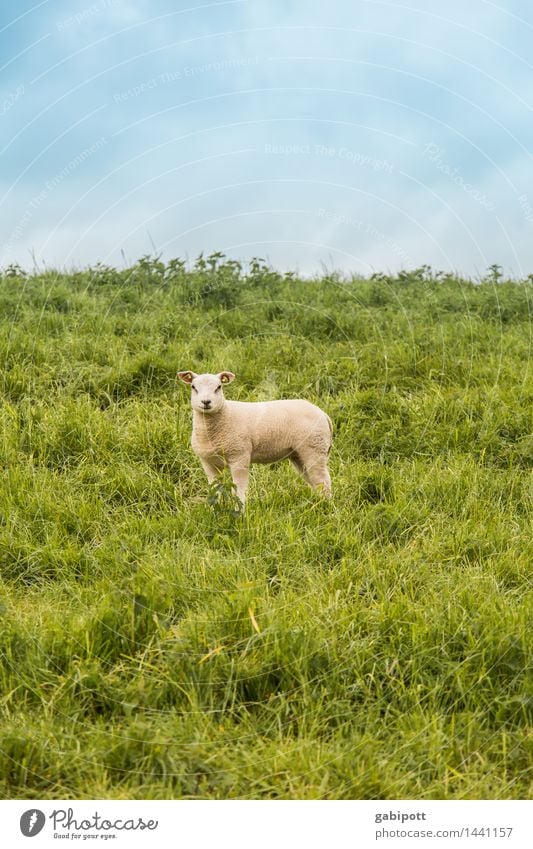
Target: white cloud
172 146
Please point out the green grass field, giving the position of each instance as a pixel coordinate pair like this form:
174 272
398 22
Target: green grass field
154 646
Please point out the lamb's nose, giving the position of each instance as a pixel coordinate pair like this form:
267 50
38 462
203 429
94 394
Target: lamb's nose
206 404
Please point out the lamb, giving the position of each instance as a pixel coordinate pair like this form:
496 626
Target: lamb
238 433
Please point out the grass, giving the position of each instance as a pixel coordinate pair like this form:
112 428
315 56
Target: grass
155 645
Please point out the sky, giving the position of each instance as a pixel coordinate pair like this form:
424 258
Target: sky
360 136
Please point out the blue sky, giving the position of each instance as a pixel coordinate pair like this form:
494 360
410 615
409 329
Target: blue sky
364 136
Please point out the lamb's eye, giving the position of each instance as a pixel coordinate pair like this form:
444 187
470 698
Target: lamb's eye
194 387
218 387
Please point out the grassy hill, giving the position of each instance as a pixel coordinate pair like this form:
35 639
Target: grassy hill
154 646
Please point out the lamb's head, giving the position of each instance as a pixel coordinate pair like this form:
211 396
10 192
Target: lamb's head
207 395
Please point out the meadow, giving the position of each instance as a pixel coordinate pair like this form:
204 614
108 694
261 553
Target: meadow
155 645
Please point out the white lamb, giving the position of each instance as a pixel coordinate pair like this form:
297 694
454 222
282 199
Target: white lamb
237 433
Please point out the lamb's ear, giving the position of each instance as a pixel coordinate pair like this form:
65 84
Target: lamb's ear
226 376
187 376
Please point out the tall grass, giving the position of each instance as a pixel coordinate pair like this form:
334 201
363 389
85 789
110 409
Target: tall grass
155 646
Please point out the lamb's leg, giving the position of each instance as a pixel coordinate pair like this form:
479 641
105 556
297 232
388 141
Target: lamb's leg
297 463
316 473
240 472
211 469
325 482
